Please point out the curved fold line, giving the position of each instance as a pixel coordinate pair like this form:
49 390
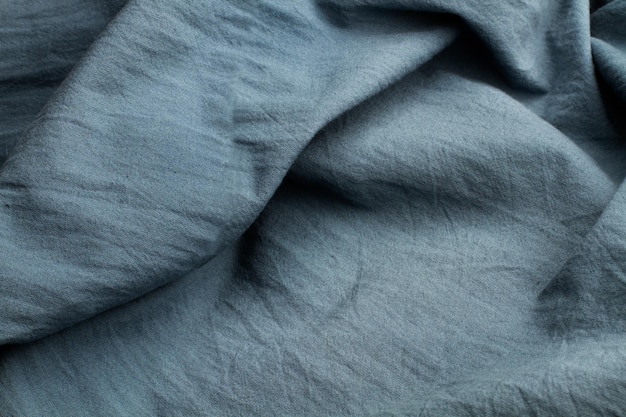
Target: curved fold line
145 203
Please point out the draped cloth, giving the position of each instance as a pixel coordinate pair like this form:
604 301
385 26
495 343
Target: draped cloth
312 207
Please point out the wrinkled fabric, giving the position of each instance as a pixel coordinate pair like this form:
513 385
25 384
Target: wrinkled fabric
313 207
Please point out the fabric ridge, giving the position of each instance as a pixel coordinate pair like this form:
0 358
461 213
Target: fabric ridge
312 207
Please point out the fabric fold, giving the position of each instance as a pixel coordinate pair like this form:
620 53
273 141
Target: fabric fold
333 207
168 139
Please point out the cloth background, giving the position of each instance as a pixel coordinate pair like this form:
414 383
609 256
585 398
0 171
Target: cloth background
334 207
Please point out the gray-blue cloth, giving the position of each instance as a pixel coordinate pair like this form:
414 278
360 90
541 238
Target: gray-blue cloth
311 208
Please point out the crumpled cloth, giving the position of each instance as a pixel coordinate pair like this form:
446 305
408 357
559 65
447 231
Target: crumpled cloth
307 208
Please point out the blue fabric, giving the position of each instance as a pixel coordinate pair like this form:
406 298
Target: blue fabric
333 207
